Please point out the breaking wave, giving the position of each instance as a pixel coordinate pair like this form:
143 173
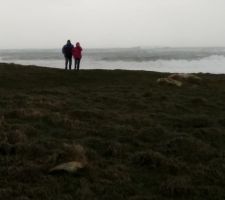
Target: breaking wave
191 60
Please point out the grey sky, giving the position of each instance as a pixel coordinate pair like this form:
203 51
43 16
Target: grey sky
111 23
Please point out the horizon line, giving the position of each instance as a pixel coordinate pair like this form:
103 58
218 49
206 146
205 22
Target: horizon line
49 48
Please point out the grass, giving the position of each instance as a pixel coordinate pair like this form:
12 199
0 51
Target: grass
141 140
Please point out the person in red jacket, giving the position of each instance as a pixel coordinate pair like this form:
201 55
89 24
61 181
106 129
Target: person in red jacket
77 55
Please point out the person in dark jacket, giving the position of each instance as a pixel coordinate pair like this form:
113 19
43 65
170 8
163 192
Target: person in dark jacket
67 51
77 55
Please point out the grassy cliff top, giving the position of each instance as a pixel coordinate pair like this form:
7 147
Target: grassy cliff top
141 140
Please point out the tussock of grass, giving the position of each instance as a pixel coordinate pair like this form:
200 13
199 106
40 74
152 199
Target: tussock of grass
177 186
139 140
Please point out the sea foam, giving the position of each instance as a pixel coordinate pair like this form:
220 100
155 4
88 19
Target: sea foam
183 60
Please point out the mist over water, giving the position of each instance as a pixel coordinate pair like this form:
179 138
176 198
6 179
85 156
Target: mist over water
181 60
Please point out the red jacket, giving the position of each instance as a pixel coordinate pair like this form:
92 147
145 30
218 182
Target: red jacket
77 52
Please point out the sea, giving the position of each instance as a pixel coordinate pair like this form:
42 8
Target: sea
159 59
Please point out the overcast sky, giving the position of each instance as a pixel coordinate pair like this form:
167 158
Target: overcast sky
111 23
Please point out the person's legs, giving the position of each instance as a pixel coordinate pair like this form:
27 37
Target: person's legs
66 62
77 61
75 64
78 64
70 62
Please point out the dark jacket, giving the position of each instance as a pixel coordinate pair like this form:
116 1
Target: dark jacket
67 50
